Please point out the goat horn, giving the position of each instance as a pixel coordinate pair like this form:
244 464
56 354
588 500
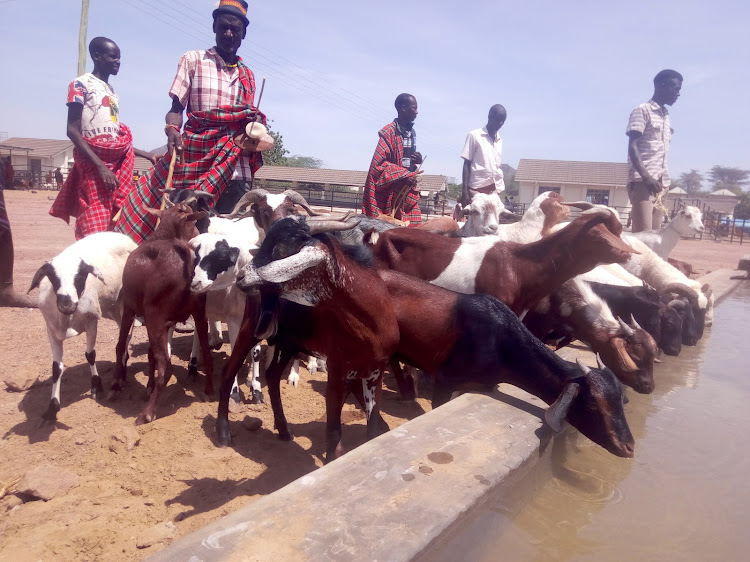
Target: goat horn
583 205
281 271
556 413
690 294
627 330
599 362
635 325
319 226
248 198
297 199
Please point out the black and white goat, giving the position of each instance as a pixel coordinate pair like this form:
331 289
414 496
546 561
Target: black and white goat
77 288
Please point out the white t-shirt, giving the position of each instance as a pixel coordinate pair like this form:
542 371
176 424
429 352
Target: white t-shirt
485 155
101 106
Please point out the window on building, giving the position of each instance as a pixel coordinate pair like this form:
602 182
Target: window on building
543 189
598 196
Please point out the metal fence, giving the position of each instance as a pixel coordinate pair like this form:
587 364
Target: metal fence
719 226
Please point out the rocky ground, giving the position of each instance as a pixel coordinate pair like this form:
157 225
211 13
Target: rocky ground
114 491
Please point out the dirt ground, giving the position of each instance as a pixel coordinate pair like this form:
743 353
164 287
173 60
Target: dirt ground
176 473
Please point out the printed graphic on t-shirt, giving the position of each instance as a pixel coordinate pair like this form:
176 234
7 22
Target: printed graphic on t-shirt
100 106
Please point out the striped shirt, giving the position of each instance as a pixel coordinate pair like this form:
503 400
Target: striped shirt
652 121
203 83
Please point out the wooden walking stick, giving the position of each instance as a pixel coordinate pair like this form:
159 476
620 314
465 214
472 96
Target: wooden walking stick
169 182
398 201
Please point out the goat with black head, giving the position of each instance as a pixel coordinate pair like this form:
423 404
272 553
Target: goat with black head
350 319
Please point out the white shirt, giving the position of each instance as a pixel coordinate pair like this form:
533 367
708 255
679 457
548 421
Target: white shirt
652 121
100 106
485 155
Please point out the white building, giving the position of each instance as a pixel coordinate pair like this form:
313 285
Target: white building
33 158
596 182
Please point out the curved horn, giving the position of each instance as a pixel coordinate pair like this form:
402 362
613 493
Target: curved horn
583 205
585 369
319 226
690 294
627 330
297 199
555 414
248 198
599 362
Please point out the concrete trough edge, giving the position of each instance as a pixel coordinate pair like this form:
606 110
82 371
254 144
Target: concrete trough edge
395 496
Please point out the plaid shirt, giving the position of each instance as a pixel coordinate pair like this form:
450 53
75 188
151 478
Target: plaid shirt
203 83
84 196
652 121
387 178
210 159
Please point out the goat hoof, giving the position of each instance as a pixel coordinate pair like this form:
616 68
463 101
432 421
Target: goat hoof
257 397
144 419
225 437
51 414
286 435
236 396
192 371
216 346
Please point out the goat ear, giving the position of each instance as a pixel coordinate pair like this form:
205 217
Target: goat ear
93 270
40 274
623 355
234 253
196 216
555 414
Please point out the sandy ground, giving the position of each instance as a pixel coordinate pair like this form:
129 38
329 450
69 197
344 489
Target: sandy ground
176 473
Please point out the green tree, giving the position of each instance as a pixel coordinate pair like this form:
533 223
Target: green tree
691 181
733 179
298 161
453 190
742 210
277 155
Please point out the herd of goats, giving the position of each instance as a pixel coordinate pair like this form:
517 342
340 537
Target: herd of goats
470 305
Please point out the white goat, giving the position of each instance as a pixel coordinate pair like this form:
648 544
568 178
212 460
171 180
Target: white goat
482 215
77 288
652 269
686 222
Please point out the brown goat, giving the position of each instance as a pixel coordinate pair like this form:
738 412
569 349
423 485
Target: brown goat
517 274
156 286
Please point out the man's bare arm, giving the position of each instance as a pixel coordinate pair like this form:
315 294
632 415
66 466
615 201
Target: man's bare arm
75 111
654 184
465 176
173 127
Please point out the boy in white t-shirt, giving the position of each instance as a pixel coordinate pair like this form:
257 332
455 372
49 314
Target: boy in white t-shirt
102 175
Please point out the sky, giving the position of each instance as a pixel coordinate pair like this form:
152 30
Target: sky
568 73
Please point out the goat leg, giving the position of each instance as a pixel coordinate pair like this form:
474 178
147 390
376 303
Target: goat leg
334 403
273 379
201 328
57 370
407 387
372 388
246 340
121 352
96 380
158 343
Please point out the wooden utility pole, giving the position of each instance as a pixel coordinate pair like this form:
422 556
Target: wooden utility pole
82 37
